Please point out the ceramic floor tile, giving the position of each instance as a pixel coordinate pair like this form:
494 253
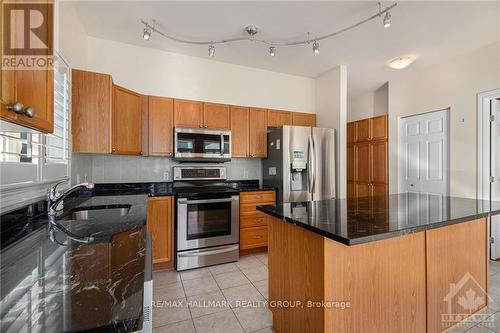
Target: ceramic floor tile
200 286
255 274
170 312
254 318
163 292
248 262
479 329
262 257
267 330
237 296
263 287
205 304
494 267
231 279
186 326
224 268
220 322
165 277
195 273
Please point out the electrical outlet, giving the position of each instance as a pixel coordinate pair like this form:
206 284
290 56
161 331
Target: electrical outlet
166 176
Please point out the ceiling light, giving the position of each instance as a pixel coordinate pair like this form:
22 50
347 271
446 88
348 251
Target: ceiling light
387 20
400 62
147 33
316 47
211 51
272 51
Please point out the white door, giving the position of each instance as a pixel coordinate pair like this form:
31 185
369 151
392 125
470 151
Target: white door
495 173
423 163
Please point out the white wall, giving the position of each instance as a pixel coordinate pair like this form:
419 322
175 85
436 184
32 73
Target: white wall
71 38
369 105
455 84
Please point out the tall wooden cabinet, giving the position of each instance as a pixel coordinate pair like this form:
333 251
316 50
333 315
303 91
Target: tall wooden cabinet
367 157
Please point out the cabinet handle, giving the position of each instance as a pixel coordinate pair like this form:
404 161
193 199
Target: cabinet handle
113 149
257 237
19 108
260 219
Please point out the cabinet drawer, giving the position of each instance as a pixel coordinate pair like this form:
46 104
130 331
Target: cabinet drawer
257 197
253 237
250 208
258 219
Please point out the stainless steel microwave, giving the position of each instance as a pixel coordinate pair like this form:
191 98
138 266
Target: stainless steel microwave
202 145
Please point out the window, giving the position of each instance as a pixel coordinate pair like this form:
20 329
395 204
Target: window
29 158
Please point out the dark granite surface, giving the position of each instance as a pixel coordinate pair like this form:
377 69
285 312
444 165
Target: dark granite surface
355 221
50 287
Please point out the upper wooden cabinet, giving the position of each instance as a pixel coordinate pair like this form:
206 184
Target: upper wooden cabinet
303 119
31 90
160 124
367 129
126 122
277 118
378 127
216 116
362 131
258 132
240 129
91 112
188 113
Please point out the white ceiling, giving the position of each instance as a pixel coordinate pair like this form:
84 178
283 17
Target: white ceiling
432 31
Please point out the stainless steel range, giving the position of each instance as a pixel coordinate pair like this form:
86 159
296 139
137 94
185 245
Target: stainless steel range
207 217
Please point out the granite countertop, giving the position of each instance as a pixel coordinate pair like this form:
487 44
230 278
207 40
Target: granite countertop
50 287
362 220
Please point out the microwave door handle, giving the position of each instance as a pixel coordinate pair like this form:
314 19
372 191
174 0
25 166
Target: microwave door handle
222 144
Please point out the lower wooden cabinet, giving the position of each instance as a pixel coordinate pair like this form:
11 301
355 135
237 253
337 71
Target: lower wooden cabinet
160 225
253 223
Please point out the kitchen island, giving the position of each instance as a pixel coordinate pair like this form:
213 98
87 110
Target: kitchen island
400 263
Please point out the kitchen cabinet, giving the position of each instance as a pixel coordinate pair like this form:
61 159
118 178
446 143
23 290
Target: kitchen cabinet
277 118
258 132
126 122
240 131
253 223
188 113
160 126
303 119
351 132
160 225
362 131
216 116
378 128
31 92
91 100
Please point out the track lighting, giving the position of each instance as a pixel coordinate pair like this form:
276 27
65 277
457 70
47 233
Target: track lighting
316 47
147 33
272 51
387 19
211 51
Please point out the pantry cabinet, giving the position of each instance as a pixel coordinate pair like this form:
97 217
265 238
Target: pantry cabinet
126 122
160 225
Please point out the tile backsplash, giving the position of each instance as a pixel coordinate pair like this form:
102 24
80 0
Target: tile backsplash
99 168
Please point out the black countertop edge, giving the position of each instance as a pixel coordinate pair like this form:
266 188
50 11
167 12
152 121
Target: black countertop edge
371 238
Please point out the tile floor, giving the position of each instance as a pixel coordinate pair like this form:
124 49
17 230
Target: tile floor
230 298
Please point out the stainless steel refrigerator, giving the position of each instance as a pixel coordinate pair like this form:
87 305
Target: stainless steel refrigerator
300 163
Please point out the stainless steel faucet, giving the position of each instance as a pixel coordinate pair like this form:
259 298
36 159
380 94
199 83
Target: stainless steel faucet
53 201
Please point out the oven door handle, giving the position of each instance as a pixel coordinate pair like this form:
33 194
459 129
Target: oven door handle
208 253
185 201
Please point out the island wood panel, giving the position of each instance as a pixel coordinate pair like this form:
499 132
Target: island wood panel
456 254
303 119
277 118
296 273
384 281
216 116
91 96
188 113
239 131
126 122
160 126
160 225
258 132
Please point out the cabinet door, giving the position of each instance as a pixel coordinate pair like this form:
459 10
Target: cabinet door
378 190
276 118
361 190
91 95
350 190
126 122
159 222
188 113
258 132
216 116
378 127
303 119
378 162
160 125
362 130
351 135
350 163
362 162
239 131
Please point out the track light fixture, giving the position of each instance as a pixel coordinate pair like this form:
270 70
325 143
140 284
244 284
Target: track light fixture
272 51
252 34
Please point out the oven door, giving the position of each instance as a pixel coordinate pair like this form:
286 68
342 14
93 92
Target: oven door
205 223
195 144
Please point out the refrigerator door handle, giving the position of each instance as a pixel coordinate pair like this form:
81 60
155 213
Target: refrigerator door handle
310 164
313 166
